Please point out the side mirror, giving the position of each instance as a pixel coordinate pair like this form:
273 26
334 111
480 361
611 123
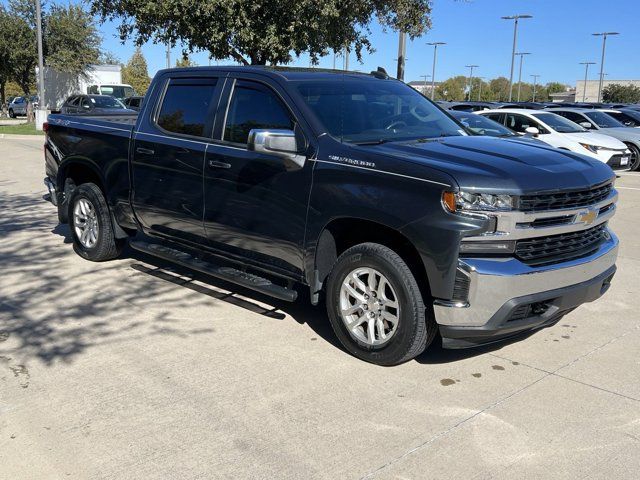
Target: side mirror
586 125
281 143
533 131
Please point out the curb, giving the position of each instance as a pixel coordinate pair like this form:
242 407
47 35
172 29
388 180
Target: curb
10 136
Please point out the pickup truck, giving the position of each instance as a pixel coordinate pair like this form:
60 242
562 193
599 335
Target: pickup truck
351 185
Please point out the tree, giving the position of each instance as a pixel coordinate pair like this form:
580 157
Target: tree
185 61
263 31
452 89
556 87
108 58
499 88
616 93
135 72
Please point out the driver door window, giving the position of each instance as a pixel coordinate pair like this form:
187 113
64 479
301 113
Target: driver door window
254 106
520 123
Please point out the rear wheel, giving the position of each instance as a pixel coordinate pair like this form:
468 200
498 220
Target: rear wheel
11 114
91 227
634 161
375 306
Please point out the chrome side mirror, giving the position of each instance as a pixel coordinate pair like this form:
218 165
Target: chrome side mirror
533 131
281 143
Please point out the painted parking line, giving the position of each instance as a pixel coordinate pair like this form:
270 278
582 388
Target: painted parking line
627 188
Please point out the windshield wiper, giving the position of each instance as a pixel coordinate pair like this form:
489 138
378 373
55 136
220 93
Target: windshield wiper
380 141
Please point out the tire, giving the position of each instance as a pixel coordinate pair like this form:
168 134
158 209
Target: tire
11 114
99 244
415 328
635 157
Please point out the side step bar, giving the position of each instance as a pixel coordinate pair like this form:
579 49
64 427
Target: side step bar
229 274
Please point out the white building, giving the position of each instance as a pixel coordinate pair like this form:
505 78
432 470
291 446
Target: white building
423 87
590 92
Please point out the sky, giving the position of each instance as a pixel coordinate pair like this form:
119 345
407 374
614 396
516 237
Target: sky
558 38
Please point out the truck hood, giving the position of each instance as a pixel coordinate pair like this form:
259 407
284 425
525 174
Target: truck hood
489 164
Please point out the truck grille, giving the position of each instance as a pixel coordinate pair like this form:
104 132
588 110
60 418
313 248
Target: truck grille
560 248
557 201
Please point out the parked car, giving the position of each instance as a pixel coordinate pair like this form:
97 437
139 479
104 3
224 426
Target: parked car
94 105
133 103
602 123
120 91
481 125
628 117
561 133
17 107
471 106
526 105
354 186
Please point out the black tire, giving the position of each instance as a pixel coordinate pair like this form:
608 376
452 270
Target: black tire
416 327
11 114
63 205
634 162
106 247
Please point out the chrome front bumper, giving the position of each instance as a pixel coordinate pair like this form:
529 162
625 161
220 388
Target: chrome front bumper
53 194
494 282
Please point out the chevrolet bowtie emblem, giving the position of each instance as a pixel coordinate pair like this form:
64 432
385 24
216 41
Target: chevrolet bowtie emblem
588 217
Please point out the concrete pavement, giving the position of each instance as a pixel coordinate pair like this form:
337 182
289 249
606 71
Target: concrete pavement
132 369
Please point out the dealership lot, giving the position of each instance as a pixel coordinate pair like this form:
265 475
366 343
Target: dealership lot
134 369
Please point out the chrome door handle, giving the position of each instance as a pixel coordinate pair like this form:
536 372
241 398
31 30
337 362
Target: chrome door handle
217 164
145 151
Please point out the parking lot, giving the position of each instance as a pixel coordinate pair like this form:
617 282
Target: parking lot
134 369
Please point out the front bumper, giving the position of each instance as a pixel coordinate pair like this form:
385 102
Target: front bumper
51 187
502 289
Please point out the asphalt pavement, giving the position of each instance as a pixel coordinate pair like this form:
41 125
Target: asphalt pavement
133 369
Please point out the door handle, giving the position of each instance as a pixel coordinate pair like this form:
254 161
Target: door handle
145 151
217 164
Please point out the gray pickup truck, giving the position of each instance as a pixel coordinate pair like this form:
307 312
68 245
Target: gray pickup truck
353 186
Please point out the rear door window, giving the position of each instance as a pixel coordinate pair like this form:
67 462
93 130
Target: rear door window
186 106
254 106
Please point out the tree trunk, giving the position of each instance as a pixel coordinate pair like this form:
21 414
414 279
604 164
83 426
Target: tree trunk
3 83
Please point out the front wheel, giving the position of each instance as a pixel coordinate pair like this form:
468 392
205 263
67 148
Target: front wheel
11 114
91 227
375 306
634 161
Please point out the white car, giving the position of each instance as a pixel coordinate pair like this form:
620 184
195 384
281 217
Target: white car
561 133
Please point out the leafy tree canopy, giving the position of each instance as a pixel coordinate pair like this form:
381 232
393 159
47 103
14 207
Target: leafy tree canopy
185 61
135 73
263 31
616 93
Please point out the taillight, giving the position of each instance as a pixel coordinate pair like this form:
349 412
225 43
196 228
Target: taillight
45 127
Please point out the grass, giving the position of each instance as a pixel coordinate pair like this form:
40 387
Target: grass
22 129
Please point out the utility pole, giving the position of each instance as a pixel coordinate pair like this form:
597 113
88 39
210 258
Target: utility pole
535 84
520 75
604 36
516 18
345 61
41 113
424 85
402 52
586 74
433 71
470 67
168 55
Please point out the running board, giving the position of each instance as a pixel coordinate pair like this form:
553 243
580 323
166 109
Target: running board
229 274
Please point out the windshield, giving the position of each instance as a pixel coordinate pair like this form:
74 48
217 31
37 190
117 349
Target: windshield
106 102
375 111
603 120
558 123
483 125
119 91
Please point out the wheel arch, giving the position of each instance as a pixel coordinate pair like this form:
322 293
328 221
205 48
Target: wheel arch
342 233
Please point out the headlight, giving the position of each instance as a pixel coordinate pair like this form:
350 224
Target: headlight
592 148
461 202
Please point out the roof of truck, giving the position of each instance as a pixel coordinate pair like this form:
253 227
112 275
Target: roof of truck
287 73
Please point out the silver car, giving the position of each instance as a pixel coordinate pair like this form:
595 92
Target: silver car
605 124
18 106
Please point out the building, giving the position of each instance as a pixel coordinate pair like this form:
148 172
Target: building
423 87
590 93
568 96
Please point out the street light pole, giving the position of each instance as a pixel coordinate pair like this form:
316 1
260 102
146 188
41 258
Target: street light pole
516 18
433 71
42 107
586 74
535 84
470 67
520 74
604 36
402 51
